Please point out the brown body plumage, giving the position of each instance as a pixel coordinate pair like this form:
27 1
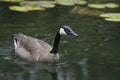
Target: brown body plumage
32 49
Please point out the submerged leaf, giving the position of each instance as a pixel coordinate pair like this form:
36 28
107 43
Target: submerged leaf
86 11
25 8
98 6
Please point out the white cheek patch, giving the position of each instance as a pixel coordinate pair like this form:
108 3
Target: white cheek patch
62 31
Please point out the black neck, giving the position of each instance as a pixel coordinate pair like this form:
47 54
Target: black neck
56 44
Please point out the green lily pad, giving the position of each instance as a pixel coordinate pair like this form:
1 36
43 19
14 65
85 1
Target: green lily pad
113 19
47 4
65 2
98 6
102 6
35 8
110 15
11 0
25 8
112 5
44 4
18 8
80 2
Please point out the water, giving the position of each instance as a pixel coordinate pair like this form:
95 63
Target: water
94 55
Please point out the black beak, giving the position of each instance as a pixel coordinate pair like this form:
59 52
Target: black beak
74 34
69 31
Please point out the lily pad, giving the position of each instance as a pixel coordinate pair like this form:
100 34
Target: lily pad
25 8
113 19
80 2
110 15
11 0
65 2
45 4
18 8
112 5
102 6
98 6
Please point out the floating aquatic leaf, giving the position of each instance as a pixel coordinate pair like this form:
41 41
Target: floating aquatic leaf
98 6
30 3
18 8
25 8
45 4
110 15
80 2
113 19
111 5
65 2
11 0
35 8
102 6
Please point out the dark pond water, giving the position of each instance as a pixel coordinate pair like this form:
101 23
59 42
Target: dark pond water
94 55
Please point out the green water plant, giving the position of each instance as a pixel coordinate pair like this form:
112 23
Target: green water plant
86 11
11 0
111 16
102 6
65 2
113 19
70 2
44 4
80 2
112 5
98 6
25 8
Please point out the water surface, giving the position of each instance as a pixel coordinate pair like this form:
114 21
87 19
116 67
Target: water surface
94 55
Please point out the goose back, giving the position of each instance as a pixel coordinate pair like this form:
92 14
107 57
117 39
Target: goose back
33 49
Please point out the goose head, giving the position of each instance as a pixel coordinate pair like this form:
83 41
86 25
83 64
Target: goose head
66 30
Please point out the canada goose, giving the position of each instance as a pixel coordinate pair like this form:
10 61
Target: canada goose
33 49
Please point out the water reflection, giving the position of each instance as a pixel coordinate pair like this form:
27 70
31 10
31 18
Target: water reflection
21 70
84 67
32 71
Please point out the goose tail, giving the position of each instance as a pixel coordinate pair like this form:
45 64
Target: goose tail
16 42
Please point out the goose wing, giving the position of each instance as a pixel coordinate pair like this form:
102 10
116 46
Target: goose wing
31 45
